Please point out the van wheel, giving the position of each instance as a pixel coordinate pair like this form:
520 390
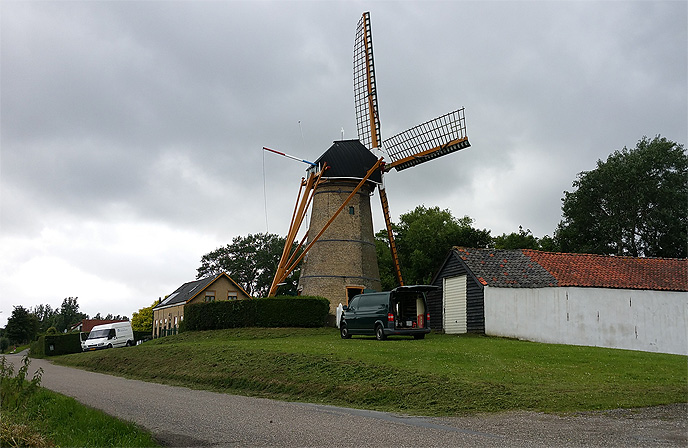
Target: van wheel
380 333
129 344
344 331
109 346
418 336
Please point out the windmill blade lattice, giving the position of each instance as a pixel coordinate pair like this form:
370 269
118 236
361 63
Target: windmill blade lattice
365 91
331 184
427 141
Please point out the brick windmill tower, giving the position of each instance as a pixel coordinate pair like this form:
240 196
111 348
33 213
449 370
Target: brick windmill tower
339 258
342 262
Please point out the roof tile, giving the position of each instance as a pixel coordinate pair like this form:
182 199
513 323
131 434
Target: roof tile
526 268
603 271
505 268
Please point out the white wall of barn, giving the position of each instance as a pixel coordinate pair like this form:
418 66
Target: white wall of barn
651 321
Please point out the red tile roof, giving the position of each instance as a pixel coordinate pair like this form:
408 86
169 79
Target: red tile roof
601 271
525 268
503 268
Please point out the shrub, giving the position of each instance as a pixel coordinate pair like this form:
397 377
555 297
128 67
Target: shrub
4 344
284 311
16 389
218 315
290 311
142 335
62 344
32 416
16 392
37 348
58 344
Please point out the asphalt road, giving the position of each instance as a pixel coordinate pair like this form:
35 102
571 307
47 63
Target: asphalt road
184 417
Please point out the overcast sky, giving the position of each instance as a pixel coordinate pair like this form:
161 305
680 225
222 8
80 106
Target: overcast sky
132 131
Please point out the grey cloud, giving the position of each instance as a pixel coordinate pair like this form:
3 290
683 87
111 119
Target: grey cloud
156 112
218 82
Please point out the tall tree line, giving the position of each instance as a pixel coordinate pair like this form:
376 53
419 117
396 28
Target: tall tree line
26 323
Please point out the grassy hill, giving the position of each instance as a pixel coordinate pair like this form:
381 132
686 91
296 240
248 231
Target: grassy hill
441 375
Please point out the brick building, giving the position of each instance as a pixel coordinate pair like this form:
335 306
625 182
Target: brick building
169 313
343 261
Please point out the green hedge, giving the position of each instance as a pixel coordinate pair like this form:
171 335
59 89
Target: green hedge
290 311
283 311
56 344
37 348
143 335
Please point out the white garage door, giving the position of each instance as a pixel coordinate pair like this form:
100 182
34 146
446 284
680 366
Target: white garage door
454 301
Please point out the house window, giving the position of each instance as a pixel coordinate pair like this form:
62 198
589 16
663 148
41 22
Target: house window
352 210
175 321
210 296
232 295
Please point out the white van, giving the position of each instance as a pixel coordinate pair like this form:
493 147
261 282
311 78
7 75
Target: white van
118 334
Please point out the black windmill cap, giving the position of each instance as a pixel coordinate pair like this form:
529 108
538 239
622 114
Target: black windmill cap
349 159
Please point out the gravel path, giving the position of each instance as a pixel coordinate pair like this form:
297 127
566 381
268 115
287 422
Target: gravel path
184 417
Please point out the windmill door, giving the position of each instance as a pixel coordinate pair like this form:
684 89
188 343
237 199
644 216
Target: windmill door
454 304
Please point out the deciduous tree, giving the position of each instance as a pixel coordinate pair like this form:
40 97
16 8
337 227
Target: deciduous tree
634 203
424 237
46 316
143 319
524 239
251 261
69 314
22 326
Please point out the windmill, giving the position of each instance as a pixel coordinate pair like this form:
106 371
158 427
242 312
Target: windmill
338 250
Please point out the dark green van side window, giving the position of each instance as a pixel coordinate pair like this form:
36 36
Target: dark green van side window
374 301
363 302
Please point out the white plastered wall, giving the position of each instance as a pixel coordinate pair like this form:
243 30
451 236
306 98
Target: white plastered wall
652 321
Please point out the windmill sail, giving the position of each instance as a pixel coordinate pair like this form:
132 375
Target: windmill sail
427 141
365 92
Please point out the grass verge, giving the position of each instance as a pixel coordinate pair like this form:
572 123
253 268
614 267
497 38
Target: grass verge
441 375
17 349
52 419
36 417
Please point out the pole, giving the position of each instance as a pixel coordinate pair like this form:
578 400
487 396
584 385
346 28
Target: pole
291 157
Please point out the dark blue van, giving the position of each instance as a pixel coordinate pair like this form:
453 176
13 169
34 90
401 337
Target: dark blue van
402 311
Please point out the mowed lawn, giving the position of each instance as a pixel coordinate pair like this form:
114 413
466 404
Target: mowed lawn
440 375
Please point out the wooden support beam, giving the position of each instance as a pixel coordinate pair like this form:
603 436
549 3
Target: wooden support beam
293 266
303 201
390 235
